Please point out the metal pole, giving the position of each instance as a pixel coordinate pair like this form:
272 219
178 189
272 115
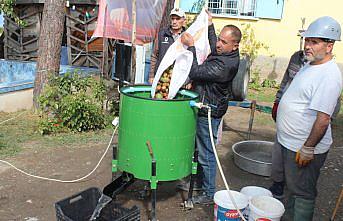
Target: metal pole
252 113
104 47
133 40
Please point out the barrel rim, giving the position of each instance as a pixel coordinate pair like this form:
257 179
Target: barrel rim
148 89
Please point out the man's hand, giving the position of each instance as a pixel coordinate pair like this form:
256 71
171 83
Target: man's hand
209 17
188 86
274 110
304 156
187 39
151 80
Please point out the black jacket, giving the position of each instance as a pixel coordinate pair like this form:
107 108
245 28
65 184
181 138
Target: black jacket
212 78
296 62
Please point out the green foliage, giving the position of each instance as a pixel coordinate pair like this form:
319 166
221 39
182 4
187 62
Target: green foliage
269 83
256 84
6 8
198 5
255 80
249 45
196 8
72 102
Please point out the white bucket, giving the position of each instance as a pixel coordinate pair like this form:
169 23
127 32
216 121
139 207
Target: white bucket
224 209
265 208
252 191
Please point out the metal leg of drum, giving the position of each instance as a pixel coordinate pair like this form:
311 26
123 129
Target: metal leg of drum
114 162
153 184
188 204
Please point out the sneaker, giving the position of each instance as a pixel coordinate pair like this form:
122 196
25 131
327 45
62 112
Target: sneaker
185 186
202 199
277 190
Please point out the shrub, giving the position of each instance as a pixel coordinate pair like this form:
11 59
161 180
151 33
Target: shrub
72 102
269 83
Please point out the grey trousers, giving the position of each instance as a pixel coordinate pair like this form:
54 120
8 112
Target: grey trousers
302 181
277 174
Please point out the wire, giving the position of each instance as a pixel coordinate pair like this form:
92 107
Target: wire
13 118
65 181
219 164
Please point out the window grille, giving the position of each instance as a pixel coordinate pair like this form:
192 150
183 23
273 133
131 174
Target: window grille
233 7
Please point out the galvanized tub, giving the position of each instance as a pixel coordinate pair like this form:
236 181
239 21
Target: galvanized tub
170 126
254 156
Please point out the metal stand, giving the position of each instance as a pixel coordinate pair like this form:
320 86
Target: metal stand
153 181
153 186
119 183
188 204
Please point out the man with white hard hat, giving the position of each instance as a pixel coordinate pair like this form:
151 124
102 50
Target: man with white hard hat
166 37
303 117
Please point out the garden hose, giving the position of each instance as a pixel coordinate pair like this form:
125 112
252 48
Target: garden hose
67 181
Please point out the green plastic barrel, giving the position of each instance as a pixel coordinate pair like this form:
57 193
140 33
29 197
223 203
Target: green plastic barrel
169 125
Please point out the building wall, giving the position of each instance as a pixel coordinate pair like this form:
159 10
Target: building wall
17 100
281 35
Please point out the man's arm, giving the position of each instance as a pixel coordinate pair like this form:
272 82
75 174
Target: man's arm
319 128
212 38
285 81
306 153
211 71
208 71
153 60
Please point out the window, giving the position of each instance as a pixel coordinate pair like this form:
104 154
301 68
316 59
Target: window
233 7
271 9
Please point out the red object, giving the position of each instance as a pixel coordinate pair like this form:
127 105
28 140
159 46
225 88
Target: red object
115 19
274 110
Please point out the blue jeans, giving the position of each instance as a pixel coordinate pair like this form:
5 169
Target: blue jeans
207 161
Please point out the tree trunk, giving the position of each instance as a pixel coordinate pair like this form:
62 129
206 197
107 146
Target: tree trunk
165 19
49 44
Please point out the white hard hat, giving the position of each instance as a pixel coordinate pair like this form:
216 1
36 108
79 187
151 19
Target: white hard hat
177 11
324 27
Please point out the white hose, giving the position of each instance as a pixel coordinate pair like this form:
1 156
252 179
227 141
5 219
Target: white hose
13 118
219 164
66 181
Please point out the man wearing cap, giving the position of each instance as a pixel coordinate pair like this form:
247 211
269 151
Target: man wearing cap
211 81
303 117
166 37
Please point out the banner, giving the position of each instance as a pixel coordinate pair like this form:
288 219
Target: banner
115 19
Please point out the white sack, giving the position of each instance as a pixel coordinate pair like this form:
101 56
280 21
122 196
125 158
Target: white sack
183 58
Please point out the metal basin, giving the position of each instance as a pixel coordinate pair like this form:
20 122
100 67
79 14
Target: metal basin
254 156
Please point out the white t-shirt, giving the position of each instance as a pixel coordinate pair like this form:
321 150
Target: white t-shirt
314 88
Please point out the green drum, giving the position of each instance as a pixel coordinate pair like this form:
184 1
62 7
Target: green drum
169 125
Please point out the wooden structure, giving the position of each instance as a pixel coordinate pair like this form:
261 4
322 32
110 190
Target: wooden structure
21 43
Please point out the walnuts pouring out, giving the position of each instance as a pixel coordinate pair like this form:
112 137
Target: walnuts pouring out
162 87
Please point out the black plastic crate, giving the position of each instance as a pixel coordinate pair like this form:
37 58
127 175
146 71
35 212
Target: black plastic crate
113 211
81 206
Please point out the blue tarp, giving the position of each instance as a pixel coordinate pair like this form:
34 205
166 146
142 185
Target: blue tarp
19 75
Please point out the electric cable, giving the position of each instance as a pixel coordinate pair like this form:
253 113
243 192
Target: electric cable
66 181
13 118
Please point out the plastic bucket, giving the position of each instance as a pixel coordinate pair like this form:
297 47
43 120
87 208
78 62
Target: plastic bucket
252 191
224 209
265 208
